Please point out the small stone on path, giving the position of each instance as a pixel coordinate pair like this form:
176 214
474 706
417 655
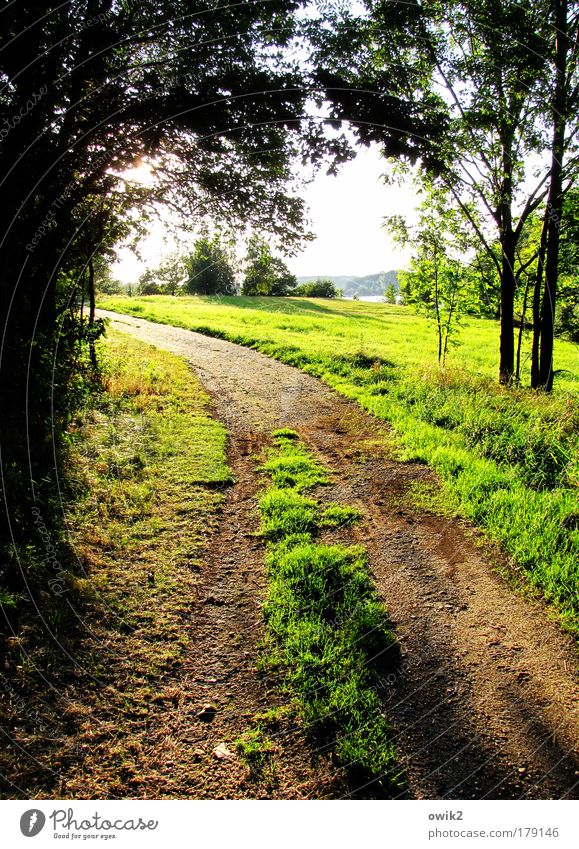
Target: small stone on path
223 753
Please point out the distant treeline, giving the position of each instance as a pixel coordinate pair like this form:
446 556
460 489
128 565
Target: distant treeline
371 284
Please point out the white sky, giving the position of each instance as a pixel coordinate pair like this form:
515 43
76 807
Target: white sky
346 214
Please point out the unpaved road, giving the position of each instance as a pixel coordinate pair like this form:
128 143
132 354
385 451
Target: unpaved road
486 703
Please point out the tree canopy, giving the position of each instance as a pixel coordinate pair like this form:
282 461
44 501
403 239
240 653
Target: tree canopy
321 288
265 274
210 268
90 89
217 102
485 94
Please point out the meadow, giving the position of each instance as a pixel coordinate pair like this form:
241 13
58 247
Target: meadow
507 457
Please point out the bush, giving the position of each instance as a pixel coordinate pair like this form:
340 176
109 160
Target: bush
323 288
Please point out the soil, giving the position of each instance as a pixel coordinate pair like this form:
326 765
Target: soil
485 702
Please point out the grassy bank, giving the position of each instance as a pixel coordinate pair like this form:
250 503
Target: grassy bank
327 629
93 686
508 458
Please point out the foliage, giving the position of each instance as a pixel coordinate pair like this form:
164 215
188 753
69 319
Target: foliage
320 288
148 285
437 283
563 103
265 274
528 274
567 318
483 92
89 91
171 274
507 458
348 285
105 283
210 269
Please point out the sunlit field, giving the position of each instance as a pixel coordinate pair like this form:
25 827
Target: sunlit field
508 457
391 332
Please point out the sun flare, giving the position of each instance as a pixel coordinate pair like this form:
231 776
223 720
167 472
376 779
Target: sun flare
141 173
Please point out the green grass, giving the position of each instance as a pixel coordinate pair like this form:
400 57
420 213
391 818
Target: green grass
327 629
508 458
142 474
352 331
256 750
294 467
338 515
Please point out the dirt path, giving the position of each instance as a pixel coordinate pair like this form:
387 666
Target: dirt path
221 673
486 704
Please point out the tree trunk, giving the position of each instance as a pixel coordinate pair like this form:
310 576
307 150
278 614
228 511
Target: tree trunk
537 305
448 327
548 306
521 330
92 313
507 346
555 199
508 279
437 310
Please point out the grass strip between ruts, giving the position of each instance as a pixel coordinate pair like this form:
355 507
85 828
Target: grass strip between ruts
327 630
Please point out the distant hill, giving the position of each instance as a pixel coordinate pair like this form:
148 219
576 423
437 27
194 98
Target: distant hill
371 284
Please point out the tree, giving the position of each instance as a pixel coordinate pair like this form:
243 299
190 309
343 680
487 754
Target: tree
128 83
148 283
567 318
210 268
486 87
320 288
438 283
166 279
562 106
266 274
89 89
390 294
172 274
567 295
104 281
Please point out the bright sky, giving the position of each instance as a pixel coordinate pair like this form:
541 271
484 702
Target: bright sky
346 214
